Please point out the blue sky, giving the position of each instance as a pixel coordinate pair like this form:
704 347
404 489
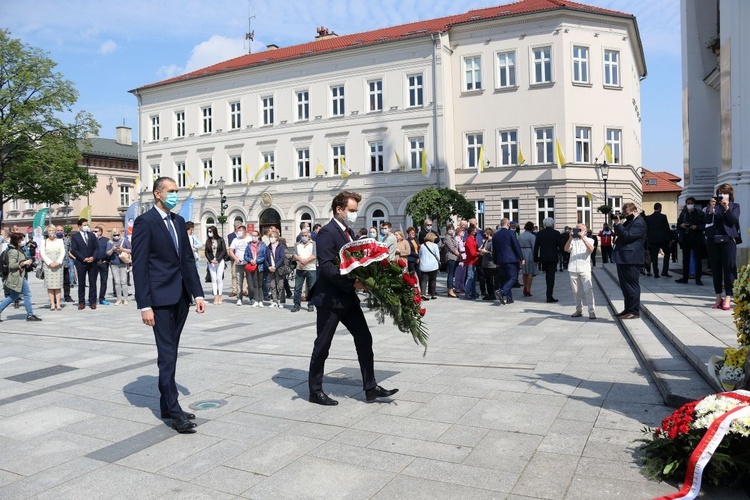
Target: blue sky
107 48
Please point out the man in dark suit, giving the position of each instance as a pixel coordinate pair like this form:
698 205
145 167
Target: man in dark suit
335 298
166 281
629 254
658 236
506 253
546 250
83 247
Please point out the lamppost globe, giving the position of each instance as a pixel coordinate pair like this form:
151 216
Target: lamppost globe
221 183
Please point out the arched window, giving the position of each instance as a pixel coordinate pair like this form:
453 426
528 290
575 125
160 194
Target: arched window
210 221
376 216
238 219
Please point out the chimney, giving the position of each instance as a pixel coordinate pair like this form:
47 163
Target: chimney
124 136
272 46
324 34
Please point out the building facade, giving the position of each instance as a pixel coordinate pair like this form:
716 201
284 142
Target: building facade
662 187
115 164
716 120
511 105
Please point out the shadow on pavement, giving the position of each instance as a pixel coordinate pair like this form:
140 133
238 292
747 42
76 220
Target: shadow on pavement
144 393
342 382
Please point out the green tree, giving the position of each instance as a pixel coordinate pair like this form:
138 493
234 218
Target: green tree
39 150
440 204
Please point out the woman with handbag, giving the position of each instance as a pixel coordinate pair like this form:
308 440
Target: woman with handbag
722 237
15 283
120 254
53 254
254 262
277 269
216 256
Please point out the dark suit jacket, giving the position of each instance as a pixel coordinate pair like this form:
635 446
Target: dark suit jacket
161 275
81 250
631 237
548 244
505 247
332 290
658 228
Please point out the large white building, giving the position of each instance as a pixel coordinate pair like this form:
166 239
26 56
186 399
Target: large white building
506 84
716 121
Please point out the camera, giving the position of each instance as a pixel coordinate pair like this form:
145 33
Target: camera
576 232
616 216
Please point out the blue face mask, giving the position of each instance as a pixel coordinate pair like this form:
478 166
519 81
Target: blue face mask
59 234
171 201
384 232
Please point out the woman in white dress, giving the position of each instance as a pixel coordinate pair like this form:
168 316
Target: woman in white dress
52 252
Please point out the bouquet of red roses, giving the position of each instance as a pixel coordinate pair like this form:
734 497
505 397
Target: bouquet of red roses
391 290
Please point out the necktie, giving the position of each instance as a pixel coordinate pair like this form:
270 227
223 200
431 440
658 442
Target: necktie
85 240
171 232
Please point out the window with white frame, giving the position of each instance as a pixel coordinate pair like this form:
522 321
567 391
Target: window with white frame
510 209
544 142
376 156
303 105
155 132
506 69
337 101
338 158
508 147
545 207
270 158
542 65
615 202
479 213
124 196
208 172
415 90
416 146
583 145
14 205
472 73
236 163
266 104
156 170
583 210
473 145
179 122
207 120
181 174
235 116
580 64
303 163
612 68
30 205
377 217
614 139
375 93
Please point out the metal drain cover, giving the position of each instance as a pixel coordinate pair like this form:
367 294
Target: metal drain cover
210 404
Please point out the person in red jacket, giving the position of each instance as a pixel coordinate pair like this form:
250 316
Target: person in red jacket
472 260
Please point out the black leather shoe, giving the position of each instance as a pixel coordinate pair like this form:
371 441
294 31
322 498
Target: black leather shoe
509 301
166 414
666 275
552 300
182 425
321 398
620 314
378 392
501 298
681 280
699 282
630 316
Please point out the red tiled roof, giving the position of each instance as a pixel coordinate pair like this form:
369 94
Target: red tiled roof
402 32
665 182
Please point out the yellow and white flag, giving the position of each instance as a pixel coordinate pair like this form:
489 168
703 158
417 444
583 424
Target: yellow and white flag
247 174
426 165
560 156
206 178
86 213
137 185
191 186
521 159
608 154
319 168
481 158
262 169
589 196
398 160
343 169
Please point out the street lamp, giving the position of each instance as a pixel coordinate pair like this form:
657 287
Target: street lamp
66 201
223 199
604 170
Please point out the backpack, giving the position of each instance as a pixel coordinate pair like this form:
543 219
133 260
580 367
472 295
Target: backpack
4 265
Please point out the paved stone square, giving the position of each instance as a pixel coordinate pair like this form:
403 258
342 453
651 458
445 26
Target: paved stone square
518 401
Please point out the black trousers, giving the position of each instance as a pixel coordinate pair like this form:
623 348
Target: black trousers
653 249
629 275
488 280
169 321
480 277
550 268
103 275
723 258
354 320
66 282
606 254
686 251
91 271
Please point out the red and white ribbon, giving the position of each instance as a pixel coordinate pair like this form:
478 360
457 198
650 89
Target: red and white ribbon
707 445
371 250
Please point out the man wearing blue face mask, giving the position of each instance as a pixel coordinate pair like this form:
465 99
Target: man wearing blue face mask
166 281
389 239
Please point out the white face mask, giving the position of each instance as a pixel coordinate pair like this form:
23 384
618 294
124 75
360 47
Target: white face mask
690 206
272 239
210 234
85 229
351 218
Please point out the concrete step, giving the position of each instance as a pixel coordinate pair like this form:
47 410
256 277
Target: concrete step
678 369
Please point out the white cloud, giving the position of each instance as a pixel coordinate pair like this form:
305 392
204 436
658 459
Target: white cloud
166 72
214 50
108 47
